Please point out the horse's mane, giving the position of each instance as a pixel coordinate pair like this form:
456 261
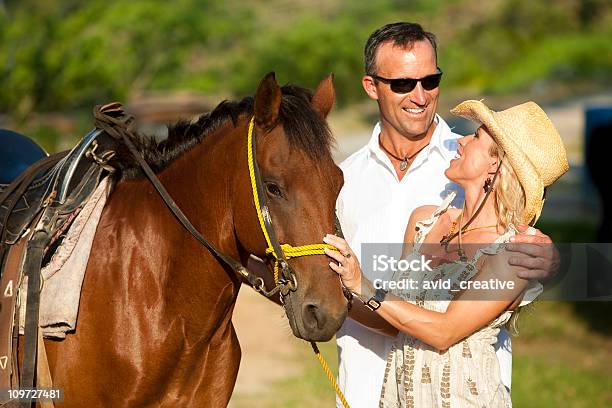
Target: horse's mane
305 128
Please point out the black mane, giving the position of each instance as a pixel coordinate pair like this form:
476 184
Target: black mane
304 127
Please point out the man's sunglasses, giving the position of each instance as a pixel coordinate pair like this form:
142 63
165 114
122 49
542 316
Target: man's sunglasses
405 85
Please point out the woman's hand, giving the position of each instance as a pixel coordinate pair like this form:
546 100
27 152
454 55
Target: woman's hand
346 265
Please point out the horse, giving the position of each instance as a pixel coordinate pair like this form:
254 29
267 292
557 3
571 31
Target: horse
155 319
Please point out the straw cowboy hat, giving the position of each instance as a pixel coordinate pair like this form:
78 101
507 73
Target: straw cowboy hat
531 144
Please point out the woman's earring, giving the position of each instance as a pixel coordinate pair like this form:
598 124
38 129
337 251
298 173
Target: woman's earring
488 185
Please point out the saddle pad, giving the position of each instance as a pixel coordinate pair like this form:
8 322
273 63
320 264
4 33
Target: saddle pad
63 275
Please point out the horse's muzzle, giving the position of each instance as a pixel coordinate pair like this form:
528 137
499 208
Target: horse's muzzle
310 321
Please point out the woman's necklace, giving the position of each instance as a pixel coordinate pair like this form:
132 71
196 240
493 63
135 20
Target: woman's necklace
463 231
446 239
452 234
403 162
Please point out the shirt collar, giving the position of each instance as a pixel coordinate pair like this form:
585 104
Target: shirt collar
442 141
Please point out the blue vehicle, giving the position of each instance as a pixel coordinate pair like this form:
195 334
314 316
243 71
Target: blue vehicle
17 152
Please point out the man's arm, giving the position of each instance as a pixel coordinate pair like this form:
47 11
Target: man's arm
534 253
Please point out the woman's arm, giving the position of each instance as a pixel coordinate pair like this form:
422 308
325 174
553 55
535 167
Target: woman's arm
468 312
371 320
365 316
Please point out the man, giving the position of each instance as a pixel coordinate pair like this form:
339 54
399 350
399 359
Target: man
401 168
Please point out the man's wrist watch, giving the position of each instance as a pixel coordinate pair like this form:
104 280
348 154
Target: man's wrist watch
374 302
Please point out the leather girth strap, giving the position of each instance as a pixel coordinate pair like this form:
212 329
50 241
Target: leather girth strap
43 372
8 314
36 248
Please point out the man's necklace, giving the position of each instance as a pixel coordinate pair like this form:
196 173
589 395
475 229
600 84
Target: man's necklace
403 161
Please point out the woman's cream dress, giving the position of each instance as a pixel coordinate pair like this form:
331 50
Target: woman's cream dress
465 375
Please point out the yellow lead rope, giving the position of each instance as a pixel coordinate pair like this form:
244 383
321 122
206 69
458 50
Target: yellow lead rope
290 252
294 252
330 375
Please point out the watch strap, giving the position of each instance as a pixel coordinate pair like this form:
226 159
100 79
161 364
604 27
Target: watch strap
375 301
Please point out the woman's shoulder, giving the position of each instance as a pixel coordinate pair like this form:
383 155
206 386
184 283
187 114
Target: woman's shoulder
497 258
453 212
422 218
419 214
423 212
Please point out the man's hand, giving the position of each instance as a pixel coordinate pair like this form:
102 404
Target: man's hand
534 252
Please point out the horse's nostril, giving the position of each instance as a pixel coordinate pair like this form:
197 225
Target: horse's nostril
314 318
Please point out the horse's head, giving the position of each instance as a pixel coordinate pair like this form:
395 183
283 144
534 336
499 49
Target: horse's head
300 183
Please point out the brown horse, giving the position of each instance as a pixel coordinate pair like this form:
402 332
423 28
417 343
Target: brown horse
155 321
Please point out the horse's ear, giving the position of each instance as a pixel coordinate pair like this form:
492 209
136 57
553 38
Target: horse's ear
324 96
267 102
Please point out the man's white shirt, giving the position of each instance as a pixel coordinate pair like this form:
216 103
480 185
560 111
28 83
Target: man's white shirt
374 207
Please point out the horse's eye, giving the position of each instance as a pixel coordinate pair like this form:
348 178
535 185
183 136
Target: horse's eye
274 189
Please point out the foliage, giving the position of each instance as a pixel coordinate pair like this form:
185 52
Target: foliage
67 54
525 43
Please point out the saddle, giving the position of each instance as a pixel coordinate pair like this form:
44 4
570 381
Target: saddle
35 209
62 180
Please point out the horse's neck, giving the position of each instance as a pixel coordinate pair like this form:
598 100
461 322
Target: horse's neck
168 260
200 182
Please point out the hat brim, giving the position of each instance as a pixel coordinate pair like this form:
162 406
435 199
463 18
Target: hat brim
528 176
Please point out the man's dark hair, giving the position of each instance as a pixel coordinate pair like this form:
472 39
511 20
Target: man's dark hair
402 34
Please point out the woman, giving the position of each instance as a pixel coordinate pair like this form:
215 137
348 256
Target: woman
445 353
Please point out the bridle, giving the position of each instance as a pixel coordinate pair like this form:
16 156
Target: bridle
287 280
113 119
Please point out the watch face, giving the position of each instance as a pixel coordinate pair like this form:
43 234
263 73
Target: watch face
374 304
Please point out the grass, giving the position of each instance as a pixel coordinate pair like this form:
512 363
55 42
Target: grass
309 389
558 361
579 230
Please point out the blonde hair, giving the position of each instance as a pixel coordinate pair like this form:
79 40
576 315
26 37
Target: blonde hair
509 204
508 193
